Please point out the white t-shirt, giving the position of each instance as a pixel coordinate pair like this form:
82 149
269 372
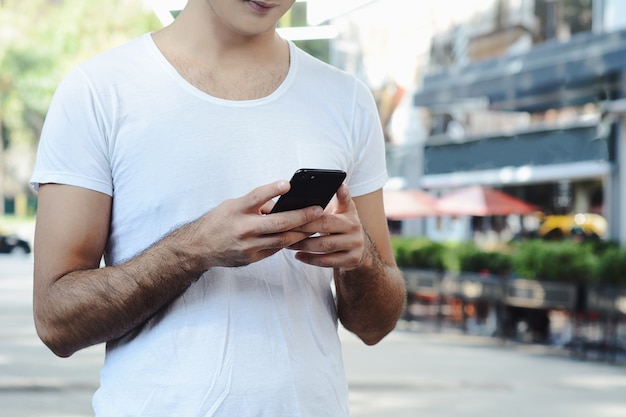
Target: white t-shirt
260 340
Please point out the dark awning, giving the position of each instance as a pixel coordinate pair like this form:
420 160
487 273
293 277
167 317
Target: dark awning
576 143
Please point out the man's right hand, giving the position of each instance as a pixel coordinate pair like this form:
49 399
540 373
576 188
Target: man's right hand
240 232
77 304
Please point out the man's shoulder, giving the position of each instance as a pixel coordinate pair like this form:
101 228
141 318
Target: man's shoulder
122 67
311 67
122 70
333 78
124 55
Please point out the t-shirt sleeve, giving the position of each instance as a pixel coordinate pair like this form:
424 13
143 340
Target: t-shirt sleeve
370 170
73 148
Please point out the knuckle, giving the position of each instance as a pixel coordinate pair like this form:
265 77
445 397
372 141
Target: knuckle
254 197
281 241
240 230
277 223
355 258
309 216
326 223
328 245
355 226
231 204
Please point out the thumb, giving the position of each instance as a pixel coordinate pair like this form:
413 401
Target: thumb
343 199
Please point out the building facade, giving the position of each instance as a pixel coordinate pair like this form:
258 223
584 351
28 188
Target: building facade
531 103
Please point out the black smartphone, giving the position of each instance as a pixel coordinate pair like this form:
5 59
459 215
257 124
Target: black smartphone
310 187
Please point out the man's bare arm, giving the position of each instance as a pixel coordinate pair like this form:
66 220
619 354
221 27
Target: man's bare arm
78 304
372 296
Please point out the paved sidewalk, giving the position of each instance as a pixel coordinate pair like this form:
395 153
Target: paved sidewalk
411 373
417 372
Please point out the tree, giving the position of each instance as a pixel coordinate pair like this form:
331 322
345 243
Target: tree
40 41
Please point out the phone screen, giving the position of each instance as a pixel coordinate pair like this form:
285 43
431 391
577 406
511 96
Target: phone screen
310 187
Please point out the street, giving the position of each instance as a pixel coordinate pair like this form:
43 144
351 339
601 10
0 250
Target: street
413 372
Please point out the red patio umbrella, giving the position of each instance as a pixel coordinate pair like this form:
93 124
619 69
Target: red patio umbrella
478 200
408 204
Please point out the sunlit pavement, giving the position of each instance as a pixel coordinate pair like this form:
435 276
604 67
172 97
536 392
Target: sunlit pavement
413 372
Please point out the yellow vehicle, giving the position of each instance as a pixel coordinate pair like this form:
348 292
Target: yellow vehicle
589 225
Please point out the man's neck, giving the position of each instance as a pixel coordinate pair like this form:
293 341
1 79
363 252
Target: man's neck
199 33
223 62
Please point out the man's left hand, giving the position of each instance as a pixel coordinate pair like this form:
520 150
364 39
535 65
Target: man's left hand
338 240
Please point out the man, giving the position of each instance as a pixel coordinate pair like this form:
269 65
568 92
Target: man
166 155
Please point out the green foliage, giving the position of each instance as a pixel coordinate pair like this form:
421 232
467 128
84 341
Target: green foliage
611 267
554 261
473 259
418 253
599 246
528 259
566 261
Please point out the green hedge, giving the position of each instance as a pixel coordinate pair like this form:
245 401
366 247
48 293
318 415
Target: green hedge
531 259
472 259
419 253
554 261
611 267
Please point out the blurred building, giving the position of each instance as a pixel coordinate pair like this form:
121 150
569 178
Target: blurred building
528 96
